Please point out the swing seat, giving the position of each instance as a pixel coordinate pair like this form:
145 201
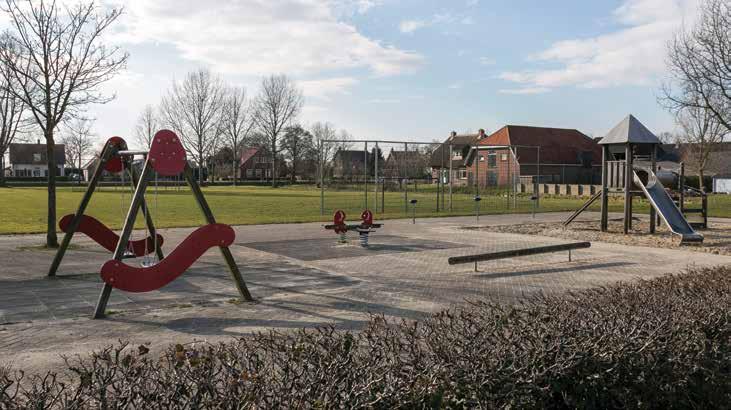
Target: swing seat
145 279
101 234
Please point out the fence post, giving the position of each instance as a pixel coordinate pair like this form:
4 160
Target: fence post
365 176
375 179
450 175
322 181
405 184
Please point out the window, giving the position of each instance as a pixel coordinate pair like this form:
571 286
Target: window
492 178
457 155
37 157
491 160
462 174
482 158
258 173
249 173
503 157
37 172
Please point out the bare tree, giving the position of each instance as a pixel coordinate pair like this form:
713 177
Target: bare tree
57 57
148 124
12 117
700 64
278 104
78 142
237 124
702 133
193 109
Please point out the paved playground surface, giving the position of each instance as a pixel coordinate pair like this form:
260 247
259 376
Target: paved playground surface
301 278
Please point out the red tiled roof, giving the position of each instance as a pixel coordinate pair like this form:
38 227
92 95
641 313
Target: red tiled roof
247 154
558 145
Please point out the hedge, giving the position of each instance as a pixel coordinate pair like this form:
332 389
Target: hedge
662 343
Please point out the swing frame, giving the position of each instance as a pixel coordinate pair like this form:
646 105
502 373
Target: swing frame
140 182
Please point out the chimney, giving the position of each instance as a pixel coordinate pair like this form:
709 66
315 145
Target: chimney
481 134
452 135
38 141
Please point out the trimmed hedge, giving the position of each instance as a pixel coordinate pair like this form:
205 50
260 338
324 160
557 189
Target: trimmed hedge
663 343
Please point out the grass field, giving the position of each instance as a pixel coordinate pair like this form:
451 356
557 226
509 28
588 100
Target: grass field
24 209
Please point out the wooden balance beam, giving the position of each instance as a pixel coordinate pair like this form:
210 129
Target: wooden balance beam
456 260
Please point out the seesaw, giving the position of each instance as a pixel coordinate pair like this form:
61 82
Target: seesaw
166 157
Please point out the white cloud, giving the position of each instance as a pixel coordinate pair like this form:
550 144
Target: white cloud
259 37
409 26
525 90
633 55
487 61
324 88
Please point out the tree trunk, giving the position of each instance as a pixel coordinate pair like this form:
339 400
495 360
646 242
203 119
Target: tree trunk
2 169
701 185
274 164
233 168
51 238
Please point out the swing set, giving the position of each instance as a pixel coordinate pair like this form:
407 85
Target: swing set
166 157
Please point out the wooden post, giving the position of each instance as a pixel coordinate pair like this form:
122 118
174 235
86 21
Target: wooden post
628 188
129 223
604 191
653 160
365 176
451 156
203 204
74 225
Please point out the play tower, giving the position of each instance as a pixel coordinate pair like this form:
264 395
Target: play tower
629 165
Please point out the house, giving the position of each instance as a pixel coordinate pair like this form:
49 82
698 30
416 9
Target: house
29 160
560 156
406 164
459 146
256 164
348 164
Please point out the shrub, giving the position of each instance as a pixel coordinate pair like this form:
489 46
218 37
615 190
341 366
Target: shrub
662 343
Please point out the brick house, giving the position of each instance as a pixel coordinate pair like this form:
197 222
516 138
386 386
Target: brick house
348 164
406 164
256 163
566 156
460 147
30 160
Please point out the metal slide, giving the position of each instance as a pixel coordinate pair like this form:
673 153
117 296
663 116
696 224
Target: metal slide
666 208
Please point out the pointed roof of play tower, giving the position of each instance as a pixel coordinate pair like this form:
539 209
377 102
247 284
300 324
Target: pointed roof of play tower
630 131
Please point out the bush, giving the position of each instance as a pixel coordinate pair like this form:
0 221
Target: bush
663 343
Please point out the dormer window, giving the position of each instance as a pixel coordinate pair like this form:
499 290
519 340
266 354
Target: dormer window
36 157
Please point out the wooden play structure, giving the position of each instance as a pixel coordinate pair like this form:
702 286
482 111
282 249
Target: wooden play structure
166 157
629 166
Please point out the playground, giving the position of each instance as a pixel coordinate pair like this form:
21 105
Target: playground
300 277
156 286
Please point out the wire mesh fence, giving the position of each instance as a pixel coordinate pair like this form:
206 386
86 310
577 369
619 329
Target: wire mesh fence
402 178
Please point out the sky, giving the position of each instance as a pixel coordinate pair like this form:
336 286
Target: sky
409 69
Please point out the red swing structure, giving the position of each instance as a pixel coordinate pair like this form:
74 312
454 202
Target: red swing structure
166 157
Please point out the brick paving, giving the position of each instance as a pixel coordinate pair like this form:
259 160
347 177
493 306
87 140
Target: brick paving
300 277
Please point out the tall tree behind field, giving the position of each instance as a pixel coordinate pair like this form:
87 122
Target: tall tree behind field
194 109
12 118
699 60
278 104
298 147
237 124
702 132
57 56
148 123
78 141
321 133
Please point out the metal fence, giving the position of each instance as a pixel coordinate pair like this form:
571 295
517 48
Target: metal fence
406 178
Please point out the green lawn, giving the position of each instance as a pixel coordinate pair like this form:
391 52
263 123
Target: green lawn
24 209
